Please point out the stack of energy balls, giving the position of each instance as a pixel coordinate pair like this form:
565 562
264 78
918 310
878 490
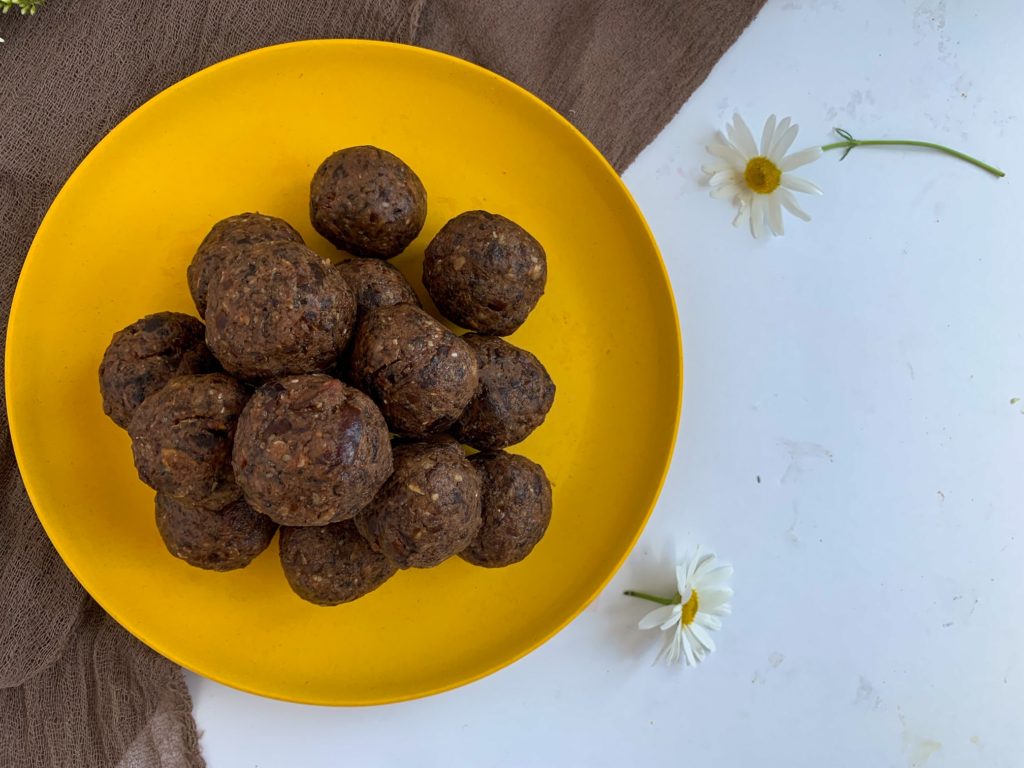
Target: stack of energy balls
322 399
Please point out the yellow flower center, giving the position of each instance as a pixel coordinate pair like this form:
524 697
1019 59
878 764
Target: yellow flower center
762 175
690 608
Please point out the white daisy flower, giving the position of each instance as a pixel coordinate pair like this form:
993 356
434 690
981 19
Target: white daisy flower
701 599
759 180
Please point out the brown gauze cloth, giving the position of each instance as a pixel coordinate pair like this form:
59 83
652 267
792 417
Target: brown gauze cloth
75 688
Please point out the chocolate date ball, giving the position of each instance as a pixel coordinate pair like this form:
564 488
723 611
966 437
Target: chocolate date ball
368 202
143 357
512 398
227 237
278 309
215 539
516 509
485 272
421 374
310 450
332 564
182 437
428 510
376 284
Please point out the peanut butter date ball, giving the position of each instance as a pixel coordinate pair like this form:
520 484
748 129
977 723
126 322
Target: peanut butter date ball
513 395
332 564
368 202
516 509
182 437
485 272
376 284
222 539
421 374
147 354
428 510
278 309
310 450
228 236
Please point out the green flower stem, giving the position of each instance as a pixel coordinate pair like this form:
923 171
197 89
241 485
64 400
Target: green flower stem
652 598
849 143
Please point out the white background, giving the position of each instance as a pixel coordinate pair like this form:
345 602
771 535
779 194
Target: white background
847 442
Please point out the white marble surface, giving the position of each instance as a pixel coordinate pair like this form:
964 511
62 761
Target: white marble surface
847 442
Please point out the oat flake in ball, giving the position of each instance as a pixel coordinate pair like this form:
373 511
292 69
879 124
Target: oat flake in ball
278 309
428 510
512 398
421 374
516 509
227 237
182 437
485 272
368 202
143 357
332 564
215 539
310 450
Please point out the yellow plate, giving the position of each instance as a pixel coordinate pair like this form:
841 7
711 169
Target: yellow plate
246 135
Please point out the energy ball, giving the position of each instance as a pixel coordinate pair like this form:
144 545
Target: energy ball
512 398
428 510
485 272
332 564
228 236
182 437
310 450
421 374
376 284
143 357
215 539
278 309
368 202
516 509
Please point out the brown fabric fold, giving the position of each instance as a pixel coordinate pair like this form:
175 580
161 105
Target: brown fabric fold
75 688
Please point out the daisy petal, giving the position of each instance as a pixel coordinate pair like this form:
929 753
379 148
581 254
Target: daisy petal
722 177
701 636
720 572
682 574
741 136
686 577
712 598
768 135
713 578
782 127
719 165
743 214
656 617
691 659
783 141
803 157
799 185
757 216
775 216
725 192
708 621
726 151
671 621
666 650
696 559
722 610
675 647
789 203
661 654
705 566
